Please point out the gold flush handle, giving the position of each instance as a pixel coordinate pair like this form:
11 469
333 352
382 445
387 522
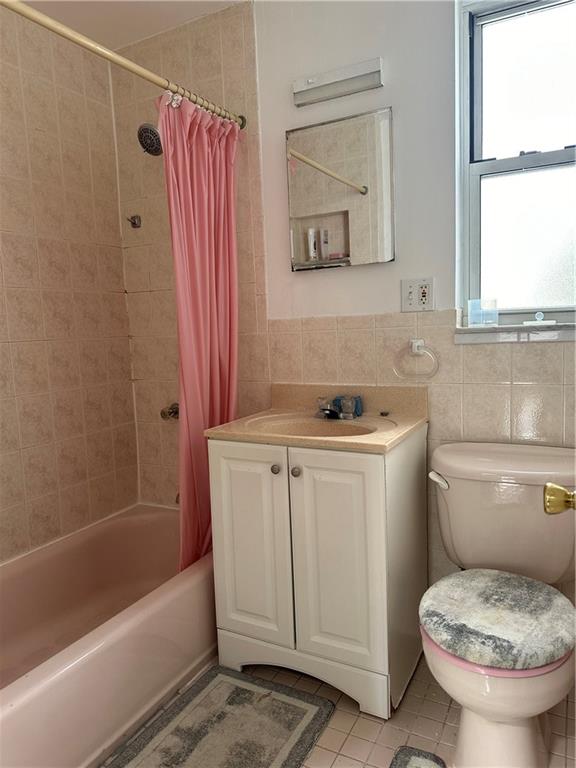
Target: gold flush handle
558 499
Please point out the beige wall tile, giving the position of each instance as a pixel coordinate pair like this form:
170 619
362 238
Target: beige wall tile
54 263
569 363
96 408
392 351
34 44
445 411
68 413
356 357
40 476
74 507
169 436
125 454
121 402
537 363
441 342
30 367
83 266
58 311
253 357
14 157
286 357
71 458
6 377
19 260
51 209
99 453
161 267
35 419
487 363
158 484
102 494
569 416
67 59
118 359
24 310
114 314
14 537
93 360
60 204
397 320
136 269
253 396
320 358
88 315
150 449
9 432
11 479
63 364
44 519
486 409
537 414
319 324
355 322
285 326
247 316
15 204
126 486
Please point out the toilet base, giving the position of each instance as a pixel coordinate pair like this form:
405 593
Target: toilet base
485 743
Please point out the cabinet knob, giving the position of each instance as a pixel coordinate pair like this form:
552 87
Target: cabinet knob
295 471
275 469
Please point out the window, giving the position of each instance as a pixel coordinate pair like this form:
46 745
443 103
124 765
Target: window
518 159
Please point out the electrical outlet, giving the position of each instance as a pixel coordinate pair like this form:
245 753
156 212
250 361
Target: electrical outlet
418 294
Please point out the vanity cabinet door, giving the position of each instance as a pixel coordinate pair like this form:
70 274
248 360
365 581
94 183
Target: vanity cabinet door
338 541
251 539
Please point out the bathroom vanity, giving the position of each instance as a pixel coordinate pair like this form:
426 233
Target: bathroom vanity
319 531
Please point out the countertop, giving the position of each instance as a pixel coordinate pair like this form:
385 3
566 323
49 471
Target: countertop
405 407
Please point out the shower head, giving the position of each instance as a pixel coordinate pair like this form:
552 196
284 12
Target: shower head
149 139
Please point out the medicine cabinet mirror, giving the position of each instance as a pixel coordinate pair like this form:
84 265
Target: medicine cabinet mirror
340 192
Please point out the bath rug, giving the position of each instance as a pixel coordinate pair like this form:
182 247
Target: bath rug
227 719
410 757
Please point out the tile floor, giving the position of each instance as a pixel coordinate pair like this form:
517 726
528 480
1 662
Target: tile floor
427 718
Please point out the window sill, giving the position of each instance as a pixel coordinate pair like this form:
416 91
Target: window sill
515 333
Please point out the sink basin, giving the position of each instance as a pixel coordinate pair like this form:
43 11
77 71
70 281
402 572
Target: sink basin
312 427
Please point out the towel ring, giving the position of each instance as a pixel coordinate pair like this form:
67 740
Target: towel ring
416 348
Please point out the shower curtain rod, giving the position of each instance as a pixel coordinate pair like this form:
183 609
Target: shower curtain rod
85 42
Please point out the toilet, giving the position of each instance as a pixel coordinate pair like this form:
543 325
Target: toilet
498 638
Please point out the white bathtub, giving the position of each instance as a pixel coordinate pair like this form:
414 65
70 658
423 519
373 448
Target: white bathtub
97 629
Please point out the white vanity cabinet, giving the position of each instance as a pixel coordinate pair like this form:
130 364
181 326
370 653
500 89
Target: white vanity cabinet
320 562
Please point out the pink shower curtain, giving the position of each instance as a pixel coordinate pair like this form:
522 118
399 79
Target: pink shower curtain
199 153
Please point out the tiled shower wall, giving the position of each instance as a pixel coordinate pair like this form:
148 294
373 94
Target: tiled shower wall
67 438
216 56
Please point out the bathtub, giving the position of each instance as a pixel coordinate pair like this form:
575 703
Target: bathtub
97 629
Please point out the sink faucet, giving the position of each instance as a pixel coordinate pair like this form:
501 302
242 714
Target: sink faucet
342 407
327 409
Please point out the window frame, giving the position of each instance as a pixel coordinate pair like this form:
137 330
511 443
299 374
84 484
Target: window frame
473 16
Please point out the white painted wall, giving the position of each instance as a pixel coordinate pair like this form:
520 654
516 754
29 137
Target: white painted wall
416 42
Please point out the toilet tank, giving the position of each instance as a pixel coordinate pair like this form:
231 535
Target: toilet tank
492 514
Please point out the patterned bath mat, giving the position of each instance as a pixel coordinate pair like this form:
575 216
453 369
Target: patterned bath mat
228 720
410 757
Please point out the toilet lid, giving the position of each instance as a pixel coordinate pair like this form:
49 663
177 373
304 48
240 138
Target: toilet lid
499 619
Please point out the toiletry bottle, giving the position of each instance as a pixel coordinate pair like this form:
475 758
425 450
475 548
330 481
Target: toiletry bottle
312 245
324 244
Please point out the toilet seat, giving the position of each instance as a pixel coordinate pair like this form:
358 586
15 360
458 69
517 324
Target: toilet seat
498 620
490 671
